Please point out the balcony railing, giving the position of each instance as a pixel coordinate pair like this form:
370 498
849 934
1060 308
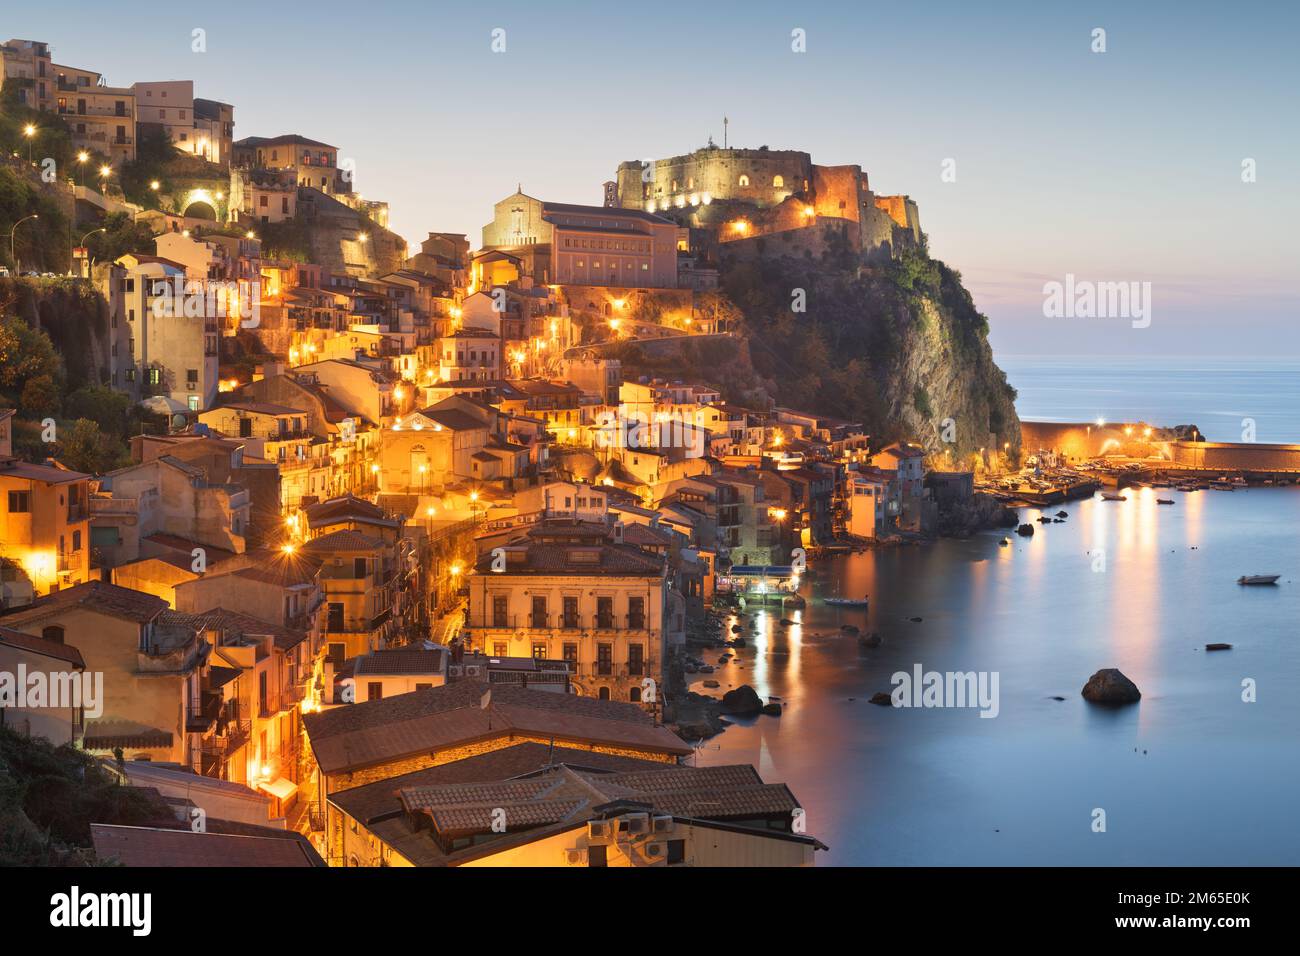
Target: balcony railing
236 734
565 622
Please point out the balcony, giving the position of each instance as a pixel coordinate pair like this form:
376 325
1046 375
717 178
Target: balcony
224 744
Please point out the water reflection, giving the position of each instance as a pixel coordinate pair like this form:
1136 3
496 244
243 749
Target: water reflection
945 786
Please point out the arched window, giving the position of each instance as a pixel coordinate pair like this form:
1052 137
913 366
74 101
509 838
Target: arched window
53 633
604 693
744 181
778 181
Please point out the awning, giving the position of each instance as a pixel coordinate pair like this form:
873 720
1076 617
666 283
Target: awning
280 788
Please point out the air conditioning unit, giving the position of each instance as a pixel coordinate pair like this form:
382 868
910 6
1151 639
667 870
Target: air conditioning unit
662 824
638 823
654 850
471 670
455 670
575 856
600 832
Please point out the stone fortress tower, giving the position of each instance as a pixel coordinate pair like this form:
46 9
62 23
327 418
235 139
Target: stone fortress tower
736 196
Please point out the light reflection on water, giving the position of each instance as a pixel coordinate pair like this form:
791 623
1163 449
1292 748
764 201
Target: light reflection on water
1191 775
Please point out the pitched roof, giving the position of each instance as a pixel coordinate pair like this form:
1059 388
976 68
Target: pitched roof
98 596
157 846
374 799
345 539
399 660
379 731
39 645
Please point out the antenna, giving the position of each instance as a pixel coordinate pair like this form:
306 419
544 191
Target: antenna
725 121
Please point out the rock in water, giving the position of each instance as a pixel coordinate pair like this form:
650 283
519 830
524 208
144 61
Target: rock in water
1218 647
1109 686
871 640
881 698
742 701
1025 531
772 709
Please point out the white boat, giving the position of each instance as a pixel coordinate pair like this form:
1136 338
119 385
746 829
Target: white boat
1112 496
847 602
1258 579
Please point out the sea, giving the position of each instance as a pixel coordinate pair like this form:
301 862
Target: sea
1204 770
1224 397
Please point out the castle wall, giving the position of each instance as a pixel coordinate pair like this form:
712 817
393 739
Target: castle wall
758 176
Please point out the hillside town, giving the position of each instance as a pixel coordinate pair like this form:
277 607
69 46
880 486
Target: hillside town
412 552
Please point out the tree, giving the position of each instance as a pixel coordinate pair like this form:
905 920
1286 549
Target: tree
121 236
25 353
86 449
105 407
40 397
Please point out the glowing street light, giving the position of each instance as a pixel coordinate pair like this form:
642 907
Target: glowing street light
30 132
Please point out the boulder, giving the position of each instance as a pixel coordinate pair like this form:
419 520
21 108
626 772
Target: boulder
740 642
712 684
870 640
1025 531
772 709
1109 686
742 701
882 699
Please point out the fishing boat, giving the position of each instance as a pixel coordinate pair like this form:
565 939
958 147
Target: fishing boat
847 602
1164 501
1258 579
1112 496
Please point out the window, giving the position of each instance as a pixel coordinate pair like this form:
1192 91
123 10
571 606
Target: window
605 612
53 633
744 181
539 650
375 690
358 567
634 695
571 612
778 181
191 376
596 853
676 852
604 693
636 613
636 659
20 502
500 649
499 618
571 653
539 612
76 541
335 622
604 659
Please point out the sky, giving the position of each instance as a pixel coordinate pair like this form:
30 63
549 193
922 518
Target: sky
1117 166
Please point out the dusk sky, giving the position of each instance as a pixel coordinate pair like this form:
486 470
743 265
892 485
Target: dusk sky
1116 166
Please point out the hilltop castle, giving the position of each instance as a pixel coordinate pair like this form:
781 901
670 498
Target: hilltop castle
737 196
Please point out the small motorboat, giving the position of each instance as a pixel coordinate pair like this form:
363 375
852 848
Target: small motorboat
848 602
1258 579
1164 501
1112 496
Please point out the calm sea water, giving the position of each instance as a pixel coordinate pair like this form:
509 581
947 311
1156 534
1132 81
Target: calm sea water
1213 394
1191 775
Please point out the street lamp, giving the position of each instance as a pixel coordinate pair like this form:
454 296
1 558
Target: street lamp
83 157
13 256
82 245
104 173
30 132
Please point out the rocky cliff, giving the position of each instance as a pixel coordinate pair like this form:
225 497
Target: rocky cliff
897 346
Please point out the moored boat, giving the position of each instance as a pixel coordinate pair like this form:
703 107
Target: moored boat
847 602
1258 579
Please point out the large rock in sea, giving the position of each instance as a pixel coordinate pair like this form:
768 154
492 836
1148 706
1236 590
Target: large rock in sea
1109 686
742 701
